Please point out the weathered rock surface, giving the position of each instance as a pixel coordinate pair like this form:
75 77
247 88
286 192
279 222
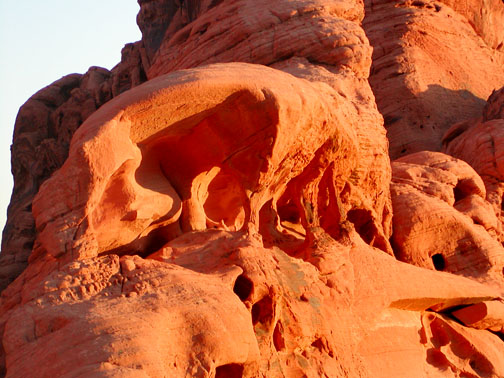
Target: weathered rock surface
262 32
485 16
138 196
494 108
237 214
44 127
428 61
441 218
479 142
219 303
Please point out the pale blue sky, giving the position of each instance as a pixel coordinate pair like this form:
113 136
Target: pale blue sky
41 41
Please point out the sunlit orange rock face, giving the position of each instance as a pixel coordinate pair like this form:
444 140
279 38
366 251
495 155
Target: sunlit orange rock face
428 61
223 203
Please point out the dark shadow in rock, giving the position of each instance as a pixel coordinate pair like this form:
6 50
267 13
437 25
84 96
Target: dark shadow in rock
243 287
229 371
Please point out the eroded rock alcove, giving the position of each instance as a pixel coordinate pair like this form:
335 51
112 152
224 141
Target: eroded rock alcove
223 203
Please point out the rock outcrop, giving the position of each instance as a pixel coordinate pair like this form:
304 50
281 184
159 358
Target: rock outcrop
428 61
222 203
198 170
435 195
44 127
479 142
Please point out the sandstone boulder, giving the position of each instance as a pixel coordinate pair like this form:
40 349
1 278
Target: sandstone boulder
197 169
441 219
479 143
483 315
217 303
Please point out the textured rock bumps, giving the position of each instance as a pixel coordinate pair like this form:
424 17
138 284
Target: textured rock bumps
230 219
435 195
44 126
428 61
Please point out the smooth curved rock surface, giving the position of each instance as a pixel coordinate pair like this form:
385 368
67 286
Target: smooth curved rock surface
483 315
441 219
479 142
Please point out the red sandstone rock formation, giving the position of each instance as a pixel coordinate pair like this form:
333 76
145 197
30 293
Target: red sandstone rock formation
230 219
44 127
428 61
479 142
435 196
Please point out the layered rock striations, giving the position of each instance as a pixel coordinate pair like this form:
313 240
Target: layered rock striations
223 202
428 61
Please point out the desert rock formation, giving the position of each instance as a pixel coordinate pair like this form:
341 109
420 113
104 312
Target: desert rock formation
298 188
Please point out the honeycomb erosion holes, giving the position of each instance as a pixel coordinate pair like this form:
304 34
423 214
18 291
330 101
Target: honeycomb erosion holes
439 261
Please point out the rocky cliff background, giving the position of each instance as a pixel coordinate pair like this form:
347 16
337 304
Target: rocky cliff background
262 189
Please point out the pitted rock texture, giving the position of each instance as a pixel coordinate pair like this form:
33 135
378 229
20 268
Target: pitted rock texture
222 203
214 301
